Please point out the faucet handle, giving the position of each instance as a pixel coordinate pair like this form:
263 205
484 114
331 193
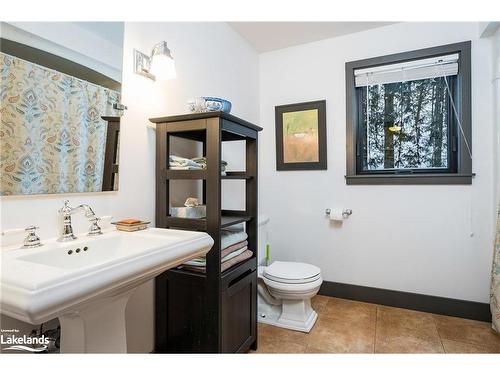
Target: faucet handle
32 239
66 209
94 229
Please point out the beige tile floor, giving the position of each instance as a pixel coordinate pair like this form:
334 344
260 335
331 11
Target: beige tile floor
345 326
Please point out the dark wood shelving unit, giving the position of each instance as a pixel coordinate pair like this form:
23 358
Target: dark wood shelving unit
201 224
111 166
236 176
184 175
212 312
172 174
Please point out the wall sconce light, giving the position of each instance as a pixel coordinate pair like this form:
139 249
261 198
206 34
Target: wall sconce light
159 65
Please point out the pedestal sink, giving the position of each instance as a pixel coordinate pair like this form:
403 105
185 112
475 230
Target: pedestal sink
87 283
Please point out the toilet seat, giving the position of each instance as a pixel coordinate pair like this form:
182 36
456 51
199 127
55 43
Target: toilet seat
291 273
293 290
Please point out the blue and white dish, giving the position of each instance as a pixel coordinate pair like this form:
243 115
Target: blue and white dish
213 104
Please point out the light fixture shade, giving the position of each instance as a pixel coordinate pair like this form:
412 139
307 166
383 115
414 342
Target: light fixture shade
162 62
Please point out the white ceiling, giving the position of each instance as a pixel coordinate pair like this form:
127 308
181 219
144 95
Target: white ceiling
110 31
269 36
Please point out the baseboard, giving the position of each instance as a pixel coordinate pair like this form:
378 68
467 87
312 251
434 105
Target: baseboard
412 301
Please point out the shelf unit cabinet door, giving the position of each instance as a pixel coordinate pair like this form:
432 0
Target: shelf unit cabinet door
182 323
239 314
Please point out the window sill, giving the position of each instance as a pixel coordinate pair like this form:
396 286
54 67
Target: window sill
410 179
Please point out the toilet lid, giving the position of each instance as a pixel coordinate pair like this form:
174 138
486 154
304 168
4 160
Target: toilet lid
292 272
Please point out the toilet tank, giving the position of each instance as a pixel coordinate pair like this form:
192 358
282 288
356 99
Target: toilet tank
263 238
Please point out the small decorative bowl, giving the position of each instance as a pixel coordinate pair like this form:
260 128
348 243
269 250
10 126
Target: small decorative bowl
213 104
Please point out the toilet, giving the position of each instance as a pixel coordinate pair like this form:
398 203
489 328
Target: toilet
285 289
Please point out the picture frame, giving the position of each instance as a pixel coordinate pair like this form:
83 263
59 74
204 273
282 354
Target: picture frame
301 136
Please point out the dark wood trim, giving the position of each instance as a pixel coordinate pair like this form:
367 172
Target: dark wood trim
173 174
185 223
111 153
463 104
235 131
186 126
213 220
413 301
237 213
418 54
205 115
410 179
227 221
111 118
237 176
252 228
162 188
320 105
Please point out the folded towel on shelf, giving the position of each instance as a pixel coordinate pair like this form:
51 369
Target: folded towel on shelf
234 261
203 160
184 167
233 254
235 228
226 254
227 264
202 262
230 249
200 160
229 237
182 162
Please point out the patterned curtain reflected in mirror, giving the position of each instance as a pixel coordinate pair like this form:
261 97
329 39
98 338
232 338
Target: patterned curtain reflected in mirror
52 136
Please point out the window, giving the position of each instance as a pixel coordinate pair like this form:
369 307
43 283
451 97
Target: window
408 118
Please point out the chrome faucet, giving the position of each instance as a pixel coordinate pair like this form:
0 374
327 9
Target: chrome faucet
67 230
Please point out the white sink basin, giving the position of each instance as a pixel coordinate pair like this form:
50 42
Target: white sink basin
87 283
110 248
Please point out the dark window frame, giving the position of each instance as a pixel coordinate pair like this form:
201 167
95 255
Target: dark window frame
462 171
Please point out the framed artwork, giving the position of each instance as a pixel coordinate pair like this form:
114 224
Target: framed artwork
301 136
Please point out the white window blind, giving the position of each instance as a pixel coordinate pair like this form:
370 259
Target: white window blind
408 71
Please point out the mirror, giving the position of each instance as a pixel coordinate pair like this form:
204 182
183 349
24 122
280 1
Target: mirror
60 109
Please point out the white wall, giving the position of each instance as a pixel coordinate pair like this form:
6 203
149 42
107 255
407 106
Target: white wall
211 59
408 238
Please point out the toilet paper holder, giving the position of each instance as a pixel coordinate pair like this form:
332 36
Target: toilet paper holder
345 212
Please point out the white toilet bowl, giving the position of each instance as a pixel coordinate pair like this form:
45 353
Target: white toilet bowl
285 290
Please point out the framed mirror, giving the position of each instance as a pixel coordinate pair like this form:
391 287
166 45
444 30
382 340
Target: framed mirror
60 93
